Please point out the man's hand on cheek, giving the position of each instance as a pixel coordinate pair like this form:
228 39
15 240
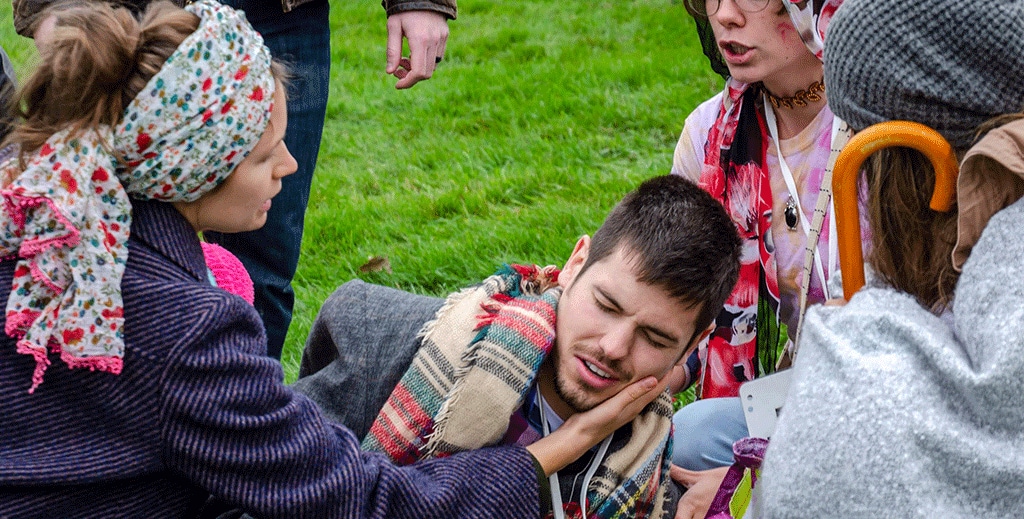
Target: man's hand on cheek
622 408
584 430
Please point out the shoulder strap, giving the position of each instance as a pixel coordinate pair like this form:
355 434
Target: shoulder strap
841 133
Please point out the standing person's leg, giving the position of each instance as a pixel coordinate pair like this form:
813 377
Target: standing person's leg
301 39
7 81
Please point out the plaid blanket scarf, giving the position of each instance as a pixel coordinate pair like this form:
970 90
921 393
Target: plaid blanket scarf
478 361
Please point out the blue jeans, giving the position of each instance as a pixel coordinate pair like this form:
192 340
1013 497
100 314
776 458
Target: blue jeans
300 39
705 431
7 81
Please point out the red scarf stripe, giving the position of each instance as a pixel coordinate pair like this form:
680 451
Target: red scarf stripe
539 333
389 434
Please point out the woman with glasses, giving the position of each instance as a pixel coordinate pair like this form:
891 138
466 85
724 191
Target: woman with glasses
761 147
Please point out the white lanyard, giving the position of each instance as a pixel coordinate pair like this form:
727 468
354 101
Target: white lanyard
833 235
787 175
556 489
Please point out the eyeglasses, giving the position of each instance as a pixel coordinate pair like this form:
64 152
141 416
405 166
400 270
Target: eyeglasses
705 8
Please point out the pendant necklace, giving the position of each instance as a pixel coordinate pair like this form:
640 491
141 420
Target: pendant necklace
792 213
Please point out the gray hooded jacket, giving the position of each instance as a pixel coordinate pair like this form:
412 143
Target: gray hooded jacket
895 412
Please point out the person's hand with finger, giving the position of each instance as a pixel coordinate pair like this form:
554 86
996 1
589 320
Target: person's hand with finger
701 488
427 34
584 430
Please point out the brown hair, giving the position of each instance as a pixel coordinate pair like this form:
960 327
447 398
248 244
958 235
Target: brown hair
682 241
912 244
98 60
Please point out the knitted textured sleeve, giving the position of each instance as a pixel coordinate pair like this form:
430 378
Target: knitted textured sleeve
230 424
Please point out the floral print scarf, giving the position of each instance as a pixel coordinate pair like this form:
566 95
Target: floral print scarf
67 216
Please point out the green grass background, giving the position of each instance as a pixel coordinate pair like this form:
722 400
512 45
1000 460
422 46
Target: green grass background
542 115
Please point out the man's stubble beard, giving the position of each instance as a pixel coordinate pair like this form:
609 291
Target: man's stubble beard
577 398
571 397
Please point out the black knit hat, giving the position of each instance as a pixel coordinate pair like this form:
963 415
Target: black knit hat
948 64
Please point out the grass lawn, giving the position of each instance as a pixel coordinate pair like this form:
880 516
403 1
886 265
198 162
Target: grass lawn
542 115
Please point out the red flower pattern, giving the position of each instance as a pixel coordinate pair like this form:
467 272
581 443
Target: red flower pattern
72 335
68 181
143 141
745 192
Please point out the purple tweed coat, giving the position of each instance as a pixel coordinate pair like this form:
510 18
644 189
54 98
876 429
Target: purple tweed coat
199 409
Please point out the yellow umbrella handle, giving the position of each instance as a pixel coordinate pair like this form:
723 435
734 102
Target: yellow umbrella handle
844 185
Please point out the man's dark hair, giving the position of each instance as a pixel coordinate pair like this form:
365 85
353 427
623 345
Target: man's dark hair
680 239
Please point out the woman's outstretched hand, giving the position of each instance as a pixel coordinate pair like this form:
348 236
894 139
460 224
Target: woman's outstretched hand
584 430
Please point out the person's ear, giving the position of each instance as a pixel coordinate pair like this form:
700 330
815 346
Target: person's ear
684 357
575 262
693 345
704 335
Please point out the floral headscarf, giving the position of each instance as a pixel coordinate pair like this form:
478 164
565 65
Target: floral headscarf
67 215
811 18
749 332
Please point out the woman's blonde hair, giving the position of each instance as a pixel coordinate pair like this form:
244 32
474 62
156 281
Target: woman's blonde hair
97 61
